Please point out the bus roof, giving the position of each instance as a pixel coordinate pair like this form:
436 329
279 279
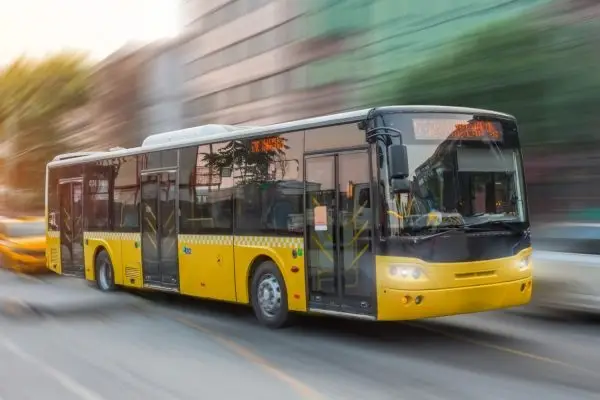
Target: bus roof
212 133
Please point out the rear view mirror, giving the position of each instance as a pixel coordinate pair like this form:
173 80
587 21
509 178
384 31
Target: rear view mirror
399 185
398 162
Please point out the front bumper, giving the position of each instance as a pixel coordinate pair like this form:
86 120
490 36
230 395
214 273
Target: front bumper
396 305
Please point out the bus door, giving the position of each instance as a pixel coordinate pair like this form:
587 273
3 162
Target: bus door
70 193
338 239
159 219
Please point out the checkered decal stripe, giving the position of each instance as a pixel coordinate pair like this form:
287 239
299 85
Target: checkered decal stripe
112 235
206 239
250 241
223 240
53 234
269 241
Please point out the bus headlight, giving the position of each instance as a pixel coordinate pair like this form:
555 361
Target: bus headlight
524 263
405 271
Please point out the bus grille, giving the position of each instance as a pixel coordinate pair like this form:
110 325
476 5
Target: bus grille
478 274
132 273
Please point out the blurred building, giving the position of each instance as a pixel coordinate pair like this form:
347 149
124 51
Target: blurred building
400 35
249 61
161 89
263 61
136 92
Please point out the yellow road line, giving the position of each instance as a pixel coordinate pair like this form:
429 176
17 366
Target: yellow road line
504 349
304 390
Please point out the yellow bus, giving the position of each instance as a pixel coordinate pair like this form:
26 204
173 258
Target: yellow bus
390 213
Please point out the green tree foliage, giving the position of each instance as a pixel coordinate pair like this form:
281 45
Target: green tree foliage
34 97
546 75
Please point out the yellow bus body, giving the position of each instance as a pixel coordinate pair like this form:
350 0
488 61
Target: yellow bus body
227 261
332 173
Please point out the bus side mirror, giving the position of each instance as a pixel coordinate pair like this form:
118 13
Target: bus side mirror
399 185
398 162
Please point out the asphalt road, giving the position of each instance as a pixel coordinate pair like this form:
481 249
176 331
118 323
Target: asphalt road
181 349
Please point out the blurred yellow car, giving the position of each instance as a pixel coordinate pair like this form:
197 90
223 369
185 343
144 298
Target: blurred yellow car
23 244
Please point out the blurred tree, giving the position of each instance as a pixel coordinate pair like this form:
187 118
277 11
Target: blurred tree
34 97
546 75
542 68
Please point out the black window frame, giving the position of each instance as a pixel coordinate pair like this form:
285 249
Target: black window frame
118 225
88 175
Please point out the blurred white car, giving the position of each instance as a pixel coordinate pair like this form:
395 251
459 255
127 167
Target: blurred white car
566 263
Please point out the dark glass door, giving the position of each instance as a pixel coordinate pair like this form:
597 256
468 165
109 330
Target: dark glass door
71 227
339 259
159 229
321 241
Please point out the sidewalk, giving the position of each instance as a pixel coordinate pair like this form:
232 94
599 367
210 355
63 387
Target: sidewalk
24 296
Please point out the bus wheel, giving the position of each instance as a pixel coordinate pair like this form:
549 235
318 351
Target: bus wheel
269 296
105 277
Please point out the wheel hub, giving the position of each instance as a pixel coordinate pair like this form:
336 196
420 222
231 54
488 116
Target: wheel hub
269 295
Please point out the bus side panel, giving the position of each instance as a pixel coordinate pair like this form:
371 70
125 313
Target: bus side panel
131 260
53 251
109 241
206 266
286 252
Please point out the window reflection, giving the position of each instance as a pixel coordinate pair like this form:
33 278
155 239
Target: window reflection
96 196
126 195
206 189
269 187
457 179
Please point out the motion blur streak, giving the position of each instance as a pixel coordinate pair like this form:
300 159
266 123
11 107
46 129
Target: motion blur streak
301 388
82 392
506 349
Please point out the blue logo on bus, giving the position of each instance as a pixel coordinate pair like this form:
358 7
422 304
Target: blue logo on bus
187 250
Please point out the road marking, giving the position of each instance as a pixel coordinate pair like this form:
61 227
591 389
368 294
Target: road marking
504 349
64 380
304 390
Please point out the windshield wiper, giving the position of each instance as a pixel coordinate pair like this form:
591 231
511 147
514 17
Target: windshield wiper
504 224
442 230
482 226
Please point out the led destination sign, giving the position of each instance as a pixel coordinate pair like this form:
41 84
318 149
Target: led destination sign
268 144
455 129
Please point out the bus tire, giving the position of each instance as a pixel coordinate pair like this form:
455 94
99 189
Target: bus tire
105 273
269 296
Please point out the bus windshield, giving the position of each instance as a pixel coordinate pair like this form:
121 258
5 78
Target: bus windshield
464 170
